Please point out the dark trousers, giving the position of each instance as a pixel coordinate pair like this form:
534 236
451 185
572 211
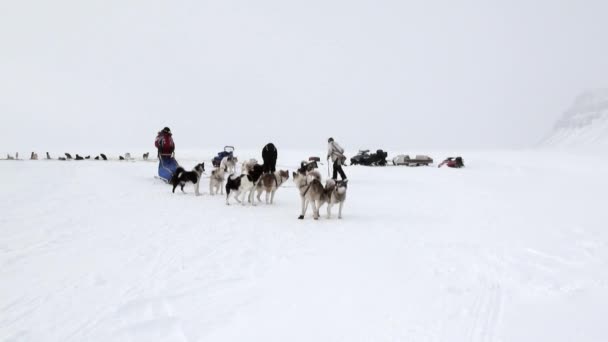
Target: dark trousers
338 169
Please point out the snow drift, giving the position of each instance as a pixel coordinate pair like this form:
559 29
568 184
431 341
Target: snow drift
584 124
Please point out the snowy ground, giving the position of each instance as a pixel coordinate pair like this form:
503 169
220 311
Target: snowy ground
512 248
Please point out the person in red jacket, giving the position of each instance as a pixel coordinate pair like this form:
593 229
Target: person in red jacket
166 149
164 143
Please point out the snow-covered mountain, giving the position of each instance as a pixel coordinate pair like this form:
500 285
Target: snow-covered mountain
584 124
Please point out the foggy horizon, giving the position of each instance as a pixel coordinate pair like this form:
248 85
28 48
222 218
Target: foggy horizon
385 74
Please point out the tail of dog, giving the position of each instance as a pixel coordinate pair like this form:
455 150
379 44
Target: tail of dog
176 174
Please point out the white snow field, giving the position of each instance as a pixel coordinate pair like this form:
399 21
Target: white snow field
514 247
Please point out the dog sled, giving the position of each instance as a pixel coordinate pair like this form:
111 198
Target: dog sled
166 167
227 152
369 159
420 160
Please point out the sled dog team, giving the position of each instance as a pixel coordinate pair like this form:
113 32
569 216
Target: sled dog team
253 179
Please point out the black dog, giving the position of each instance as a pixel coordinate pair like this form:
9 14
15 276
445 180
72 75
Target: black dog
181 177
103 156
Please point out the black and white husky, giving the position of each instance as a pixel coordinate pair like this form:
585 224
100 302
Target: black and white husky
181 177
243 184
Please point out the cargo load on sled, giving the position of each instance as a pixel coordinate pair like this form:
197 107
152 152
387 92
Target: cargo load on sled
227 152
419 160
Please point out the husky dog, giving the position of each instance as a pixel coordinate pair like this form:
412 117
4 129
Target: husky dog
311 191
336 194
121 158
68 156
248 166
244 184
216 181
97 158
270 182
128 156
78 157
48 156
146 155
228 163
34 156
103 156
181 177
9 157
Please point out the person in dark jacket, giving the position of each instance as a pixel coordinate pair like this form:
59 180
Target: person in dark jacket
269 156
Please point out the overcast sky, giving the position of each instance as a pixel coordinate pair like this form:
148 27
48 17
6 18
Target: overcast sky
372 73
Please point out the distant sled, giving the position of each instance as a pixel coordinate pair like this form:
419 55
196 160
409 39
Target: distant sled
166 167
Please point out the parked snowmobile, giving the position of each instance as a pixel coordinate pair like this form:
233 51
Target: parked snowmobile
369 159
227 152
452 162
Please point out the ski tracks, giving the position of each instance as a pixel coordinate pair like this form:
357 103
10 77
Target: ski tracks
486 313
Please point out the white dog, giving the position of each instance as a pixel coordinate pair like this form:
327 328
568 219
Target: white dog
216 181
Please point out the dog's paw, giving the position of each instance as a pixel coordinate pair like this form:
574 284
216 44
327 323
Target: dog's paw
301 217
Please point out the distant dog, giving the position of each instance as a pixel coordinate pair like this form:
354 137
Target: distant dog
146 155
9 157
121 158
48 156
243 184
97 158
270 182
181 177
78 157
128 156
68 156
311 191
216 181
34 156
103 156
335 192
87 157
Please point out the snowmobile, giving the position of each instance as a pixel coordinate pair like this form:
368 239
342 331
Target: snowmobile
452 162
369 159
227 152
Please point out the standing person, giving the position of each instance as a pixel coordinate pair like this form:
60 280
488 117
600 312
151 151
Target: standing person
336 153
269 156
166 149
164 143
